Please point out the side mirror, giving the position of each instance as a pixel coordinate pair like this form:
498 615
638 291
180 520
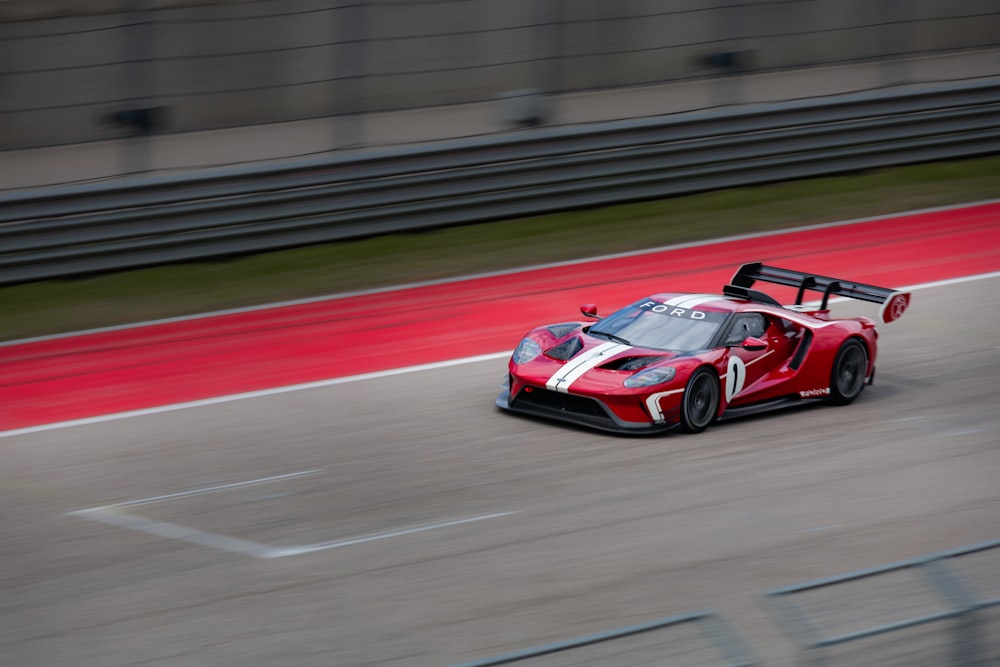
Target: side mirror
752 344
590 310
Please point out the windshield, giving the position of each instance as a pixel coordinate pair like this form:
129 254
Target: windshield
652 324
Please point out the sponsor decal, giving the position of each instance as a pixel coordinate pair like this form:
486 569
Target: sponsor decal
736 377
681 312
814 393
894 306
736 373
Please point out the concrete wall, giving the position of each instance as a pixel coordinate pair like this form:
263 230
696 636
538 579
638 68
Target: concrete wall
66 64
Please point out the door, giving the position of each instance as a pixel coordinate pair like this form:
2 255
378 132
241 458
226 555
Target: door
749 372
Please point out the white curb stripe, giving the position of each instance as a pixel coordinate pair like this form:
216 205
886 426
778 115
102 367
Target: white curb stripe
367 376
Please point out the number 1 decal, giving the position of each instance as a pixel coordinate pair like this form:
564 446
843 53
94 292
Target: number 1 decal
736 377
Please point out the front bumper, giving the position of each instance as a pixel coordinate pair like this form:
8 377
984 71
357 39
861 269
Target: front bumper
574 409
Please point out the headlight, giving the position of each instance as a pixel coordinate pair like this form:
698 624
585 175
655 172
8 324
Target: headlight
526 351
651 376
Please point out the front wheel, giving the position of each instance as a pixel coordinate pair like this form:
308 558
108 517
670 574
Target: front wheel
700 403
847 378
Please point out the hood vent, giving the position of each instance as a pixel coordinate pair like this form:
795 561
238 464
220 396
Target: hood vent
560 330
632 363
565 350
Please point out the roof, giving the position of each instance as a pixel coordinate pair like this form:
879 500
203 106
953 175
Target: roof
696 301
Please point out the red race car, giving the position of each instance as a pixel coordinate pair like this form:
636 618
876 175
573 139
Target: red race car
685 360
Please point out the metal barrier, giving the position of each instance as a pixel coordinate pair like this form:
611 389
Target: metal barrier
882 616
82 71
935 610
700 638
55 232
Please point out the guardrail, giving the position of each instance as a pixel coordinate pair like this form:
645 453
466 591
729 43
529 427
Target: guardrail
938 609
57 232
699 638
935 610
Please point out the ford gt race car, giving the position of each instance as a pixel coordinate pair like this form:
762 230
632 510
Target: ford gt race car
685 360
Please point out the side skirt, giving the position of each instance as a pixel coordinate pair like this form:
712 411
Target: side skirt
766 406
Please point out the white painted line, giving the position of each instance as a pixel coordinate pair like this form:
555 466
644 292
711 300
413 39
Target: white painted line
937 283
969 431
953 281
493 274
111 516
295 551
252 394
356 378
174 531
216 488
819 529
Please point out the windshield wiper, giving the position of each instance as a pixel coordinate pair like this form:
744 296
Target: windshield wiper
610 336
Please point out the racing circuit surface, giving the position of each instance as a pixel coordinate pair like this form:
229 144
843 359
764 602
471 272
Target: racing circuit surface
83 376
404 521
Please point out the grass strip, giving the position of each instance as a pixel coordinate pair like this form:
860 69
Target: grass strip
56 306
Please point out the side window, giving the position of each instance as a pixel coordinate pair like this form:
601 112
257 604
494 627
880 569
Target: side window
746 325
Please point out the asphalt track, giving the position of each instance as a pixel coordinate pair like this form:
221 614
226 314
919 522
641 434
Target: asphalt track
77 377
402 520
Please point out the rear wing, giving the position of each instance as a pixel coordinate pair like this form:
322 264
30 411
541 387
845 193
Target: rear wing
894 303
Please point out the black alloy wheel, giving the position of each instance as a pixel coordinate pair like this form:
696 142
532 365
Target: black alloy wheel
700 403
848 376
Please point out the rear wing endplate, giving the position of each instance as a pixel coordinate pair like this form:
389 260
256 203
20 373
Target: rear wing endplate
894 303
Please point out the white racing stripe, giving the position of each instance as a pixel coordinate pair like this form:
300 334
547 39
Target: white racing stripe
583 362
688 301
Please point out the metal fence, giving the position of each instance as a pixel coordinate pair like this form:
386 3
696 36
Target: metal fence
939 610
56 232
75 71
701 639
936 610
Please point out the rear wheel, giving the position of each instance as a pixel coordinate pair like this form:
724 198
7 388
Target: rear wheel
848 376
700 403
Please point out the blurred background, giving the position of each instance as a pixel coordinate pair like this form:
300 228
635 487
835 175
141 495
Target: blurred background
271 79
363 101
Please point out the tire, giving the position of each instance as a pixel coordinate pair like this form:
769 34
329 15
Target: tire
847 379
700 403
